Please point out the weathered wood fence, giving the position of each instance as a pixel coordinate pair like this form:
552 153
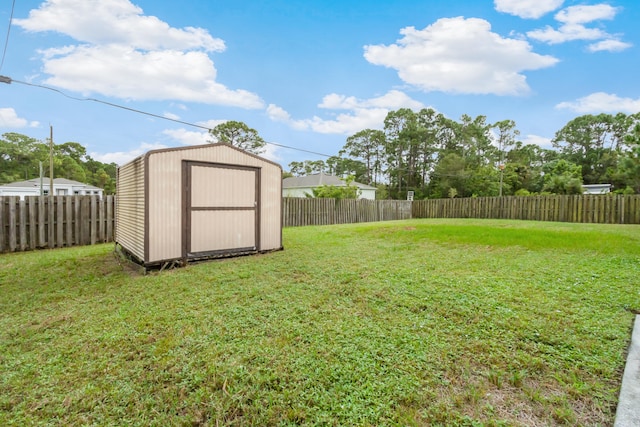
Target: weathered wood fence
306 211
55 221
602 209
60 221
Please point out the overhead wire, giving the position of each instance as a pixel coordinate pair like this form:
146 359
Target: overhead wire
6 79
6 40
111 104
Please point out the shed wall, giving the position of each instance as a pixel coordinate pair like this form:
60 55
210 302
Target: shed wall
165 192
130 204
271 207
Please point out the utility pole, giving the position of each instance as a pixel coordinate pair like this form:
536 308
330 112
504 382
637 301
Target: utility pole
501 165
50 160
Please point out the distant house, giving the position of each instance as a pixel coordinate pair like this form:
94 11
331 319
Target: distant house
61 187
596 189
301 186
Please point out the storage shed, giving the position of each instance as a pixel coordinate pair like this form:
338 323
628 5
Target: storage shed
189 203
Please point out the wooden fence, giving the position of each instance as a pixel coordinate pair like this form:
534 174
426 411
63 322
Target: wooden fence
307 211
602 209
60 221
55 221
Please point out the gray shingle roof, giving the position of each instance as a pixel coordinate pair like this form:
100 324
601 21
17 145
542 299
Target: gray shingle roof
317 180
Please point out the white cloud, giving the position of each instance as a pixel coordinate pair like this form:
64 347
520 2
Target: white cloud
180 136
460 55
573 19
171 116
601 102
122 157
610 45
278 114
585 14
188 137
567 33
210 124
362 113
347 123
540 141
393 99
115 22
124 54
532 9
193 137
9 119
271 152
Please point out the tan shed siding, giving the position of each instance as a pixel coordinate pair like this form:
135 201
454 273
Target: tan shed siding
165 196
271 207
208 235
130 230
165 206
226 187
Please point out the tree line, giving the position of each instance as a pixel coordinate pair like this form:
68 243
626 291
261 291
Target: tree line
420 151
21 157
436 157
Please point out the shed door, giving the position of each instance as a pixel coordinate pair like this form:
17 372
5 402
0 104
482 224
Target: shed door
221 209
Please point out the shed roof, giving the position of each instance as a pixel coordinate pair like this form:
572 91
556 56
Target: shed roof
199 147
316 180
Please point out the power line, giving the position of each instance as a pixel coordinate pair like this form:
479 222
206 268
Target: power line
8 80
6 40
4 79
107 103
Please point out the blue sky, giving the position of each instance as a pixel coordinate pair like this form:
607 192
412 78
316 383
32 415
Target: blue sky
308 73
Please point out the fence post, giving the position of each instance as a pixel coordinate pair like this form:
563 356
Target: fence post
110 210
2 225
51 238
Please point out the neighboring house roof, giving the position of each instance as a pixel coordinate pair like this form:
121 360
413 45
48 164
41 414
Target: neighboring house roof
35 182
596 188
316 180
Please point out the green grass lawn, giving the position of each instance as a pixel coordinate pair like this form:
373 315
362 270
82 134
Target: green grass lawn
422 322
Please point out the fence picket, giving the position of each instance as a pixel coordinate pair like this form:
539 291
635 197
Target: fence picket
54 221
48 221
13 222
69 220
3 231
22 219
59 201
33 223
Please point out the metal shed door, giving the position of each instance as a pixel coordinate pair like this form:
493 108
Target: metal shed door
221 209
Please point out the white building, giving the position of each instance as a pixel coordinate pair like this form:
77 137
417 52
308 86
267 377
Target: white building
301 186
596 189
61 187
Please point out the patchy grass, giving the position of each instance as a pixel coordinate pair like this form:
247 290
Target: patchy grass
423 322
